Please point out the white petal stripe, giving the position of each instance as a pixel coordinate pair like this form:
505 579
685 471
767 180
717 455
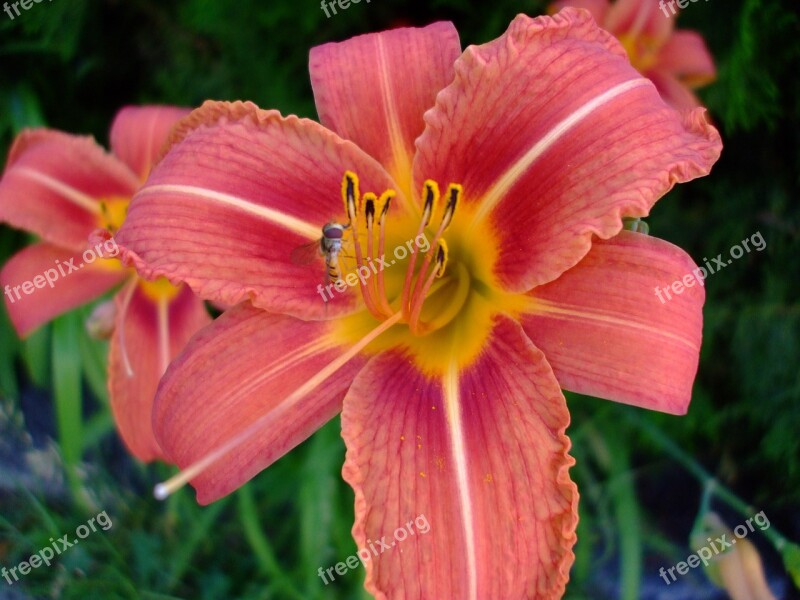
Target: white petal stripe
289 222
518 169
458 449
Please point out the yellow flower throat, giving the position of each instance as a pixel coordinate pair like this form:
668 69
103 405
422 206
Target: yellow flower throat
444 289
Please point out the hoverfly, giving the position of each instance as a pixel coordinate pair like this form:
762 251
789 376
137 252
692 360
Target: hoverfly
328 246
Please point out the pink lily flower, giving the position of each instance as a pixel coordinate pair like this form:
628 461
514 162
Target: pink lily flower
64 188
676 61
516 161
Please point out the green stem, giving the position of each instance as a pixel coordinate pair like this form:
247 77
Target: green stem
628 519
68 401
711 483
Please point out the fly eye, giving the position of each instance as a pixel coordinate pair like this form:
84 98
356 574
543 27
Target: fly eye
333 233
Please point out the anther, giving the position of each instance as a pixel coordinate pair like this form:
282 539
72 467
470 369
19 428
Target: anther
454 190
369 209
350 195
431 198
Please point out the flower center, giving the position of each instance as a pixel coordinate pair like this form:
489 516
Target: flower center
642 50
427 268
112 213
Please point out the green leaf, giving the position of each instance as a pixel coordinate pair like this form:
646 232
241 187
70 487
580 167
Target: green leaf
67 395
791 560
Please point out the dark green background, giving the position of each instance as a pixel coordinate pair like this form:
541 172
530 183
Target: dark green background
70 64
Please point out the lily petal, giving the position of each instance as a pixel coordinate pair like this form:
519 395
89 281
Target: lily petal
598 8
605 332
53 184
73 284
674 93
155 331
687 57
139 133
481 455
264 185
373 89
570 138
258 360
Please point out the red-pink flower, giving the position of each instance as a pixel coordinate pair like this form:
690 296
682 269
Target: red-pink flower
676 61
448 364
63 188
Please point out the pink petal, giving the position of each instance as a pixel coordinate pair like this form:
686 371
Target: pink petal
598 8
58 280
373 89
53 183
637 18
686 56
154 334
239 191
555 137
481 456
674 93
239 370
139 133
605 332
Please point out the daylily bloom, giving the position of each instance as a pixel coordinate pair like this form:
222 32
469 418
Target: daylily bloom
448 364
676 61
736 569
65 189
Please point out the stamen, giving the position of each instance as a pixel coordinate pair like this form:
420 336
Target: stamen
350 196
372 284
431 198
414 324
453 191
162 490
386 198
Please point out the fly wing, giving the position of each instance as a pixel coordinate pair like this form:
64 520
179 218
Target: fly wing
306 254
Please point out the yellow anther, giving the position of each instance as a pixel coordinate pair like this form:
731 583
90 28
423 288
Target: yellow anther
350 194
441 258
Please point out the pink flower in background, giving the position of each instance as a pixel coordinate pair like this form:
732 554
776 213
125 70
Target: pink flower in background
64 188
676 61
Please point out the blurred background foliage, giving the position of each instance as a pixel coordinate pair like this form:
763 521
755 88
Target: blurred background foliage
70 64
